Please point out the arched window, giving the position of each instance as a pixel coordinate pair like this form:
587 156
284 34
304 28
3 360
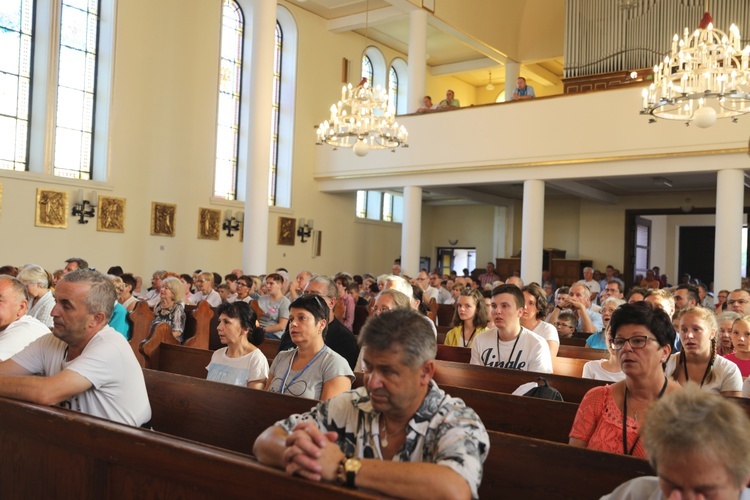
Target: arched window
228 121
56 69
400 70
367 69
76 78
276 103
282 118
15 84
393 88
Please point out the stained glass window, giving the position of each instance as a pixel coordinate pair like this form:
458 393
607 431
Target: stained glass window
76 80
393 88
275 116
228 124
16 24
367 70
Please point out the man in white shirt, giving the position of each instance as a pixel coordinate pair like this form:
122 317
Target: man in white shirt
205 286
428 292
509 345
84 365
153 296
590 282
17 329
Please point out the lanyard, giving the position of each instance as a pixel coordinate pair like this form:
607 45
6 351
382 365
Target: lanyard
511 351
284 386
463 336
625 420
684 366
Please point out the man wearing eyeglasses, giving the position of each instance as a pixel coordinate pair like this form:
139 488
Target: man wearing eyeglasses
739 301
338 337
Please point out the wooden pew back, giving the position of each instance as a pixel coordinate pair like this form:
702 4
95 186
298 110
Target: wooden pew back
141 318
50 452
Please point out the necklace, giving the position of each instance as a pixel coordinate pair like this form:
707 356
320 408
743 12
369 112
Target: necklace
635 417
384 439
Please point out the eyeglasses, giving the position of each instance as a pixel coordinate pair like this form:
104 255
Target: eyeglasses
240 284
741 302
377 310
316 294
637 342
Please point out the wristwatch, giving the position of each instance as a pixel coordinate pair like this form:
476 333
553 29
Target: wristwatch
348 469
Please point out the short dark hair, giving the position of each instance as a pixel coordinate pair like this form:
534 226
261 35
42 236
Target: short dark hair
634 290
129 279
645 314
315 305
619 285
402 330
82 264
230 277
246 316
115 271
275 277
692 292
188 279
514 291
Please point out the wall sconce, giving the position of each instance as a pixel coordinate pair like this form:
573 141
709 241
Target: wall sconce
305 229
232 223
79 207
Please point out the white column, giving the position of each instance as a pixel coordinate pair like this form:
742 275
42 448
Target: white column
411 230
512 72
532 232
259 92
728 242
417 59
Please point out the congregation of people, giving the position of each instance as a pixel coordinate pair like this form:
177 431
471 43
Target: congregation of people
670 356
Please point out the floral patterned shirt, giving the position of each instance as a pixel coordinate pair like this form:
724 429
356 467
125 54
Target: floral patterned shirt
443 431
174 315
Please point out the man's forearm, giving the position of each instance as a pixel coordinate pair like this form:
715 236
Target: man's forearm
587 326
412 480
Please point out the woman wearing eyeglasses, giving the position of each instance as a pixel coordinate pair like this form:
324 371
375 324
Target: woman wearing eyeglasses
609 417
310 370
697 360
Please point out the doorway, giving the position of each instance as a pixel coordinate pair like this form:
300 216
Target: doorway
456 259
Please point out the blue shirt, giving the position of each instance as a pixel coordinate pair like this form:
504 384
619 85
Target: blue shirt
119 320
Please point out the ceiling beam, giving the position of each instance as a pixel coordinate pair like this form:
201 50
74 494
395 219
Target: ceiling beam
584 192
471 196
467 40
462 67
360 21
541 75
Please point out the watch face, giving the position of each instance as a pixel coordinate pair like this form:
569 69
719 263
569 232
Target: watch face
353 465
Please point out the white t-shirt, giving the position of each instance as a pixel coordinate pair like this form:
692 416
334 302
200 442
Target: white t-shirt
547 331
727 375
19 334
592 285
594 369
237 371
117 392
213 298
430 293
528 352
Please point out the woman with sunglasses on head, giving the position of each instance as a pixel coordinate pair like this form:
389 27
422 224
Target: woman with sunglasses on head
469 318
310 370
240 362
609 417
697 360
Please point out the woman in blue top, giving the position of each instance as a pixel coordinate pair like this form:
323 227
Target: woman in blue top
599 340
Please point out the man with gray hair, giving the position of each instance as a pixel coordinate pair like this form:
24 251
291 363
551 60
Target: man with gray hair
17 329
590 282
74 263
84 364
398 434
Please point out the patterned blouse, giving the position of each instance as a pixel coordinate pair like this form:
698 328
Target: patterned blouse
443 431
174 316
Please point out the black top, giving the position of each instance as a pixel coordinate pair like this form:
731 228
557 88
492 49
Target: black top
339 338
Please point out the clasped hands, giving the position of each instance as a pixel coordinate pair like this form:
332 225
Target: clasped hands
312 453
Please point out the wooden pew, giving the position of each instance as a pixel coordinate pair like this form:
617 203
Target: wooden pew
502 380
50 452
577 352
201 325
141 318
185 407
445 314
